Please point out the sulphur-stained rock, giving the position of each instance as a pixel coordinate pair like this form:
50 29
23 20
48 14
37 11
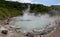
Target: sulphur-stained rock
4 32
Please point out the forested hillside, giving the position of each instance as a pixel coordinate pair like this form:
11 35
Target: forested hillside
10 9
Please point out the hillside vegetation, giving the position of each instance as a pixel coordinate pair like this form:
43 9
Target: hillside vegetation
10 9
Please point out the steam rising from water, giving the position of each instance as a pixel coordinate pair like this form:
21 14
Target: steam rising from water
27 22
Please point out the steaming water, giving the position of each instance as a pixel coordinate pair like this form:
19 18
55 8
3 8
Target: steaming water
28 22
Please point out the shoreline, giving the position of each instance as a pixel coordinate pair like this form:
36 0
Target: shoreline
55 33
17 33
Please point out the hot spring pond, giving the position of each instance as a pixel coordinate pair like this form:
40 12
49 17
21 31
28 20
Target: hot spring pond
27 24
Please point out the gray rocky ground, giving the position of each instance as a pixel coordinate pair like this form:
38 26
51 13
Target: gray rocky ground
15 32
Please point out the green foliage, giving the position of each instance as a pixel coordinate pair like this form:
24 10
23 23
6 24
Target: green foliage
9 4
11 9
39 8
5 13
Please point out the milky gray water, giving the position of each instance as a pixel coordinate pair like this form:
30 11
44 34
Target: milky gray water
27 23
